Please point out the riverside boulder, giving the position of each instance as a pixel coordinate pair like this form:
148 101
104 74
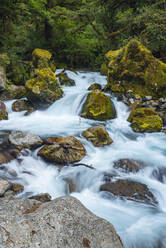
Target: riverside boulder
98 136
63 222
43 89
41 58
65 80
3 111
145 120
22 105
65 150
134 68
98 106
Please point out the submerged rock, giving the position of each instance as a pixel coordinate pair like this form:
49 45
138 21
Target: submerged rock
44 89
134 68
3 111
65 80
104 69
41 58
24 139
128 165
63 222
98 106
64 151
130 190
98 136
145 120
95 86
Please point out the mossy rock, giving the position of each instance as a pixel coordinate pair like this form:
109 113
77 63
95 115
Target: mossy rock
98 106
41 58
3 111
135 68
104 69
65 80
44 89
145 120
95 86
98 136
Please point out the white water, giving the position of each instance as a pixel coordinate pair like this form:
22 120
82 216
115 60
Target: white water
139 225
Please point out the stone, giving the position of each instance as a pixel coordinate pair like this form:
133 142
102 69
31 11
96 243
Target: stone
128 165
43 90
98 106
104 69
41 197
24 139
159 174
2 78
17 188
98 136
4 186
3 111
148 98
65 80
145 120
22 105
63 222
95 86
41 58
13 92
135 68
66 150
131 190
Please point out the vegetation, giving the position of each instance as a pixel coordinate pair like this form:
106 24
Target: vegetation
78 32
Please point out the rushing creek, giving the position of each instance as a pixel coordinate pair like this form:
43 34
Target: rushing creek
139 225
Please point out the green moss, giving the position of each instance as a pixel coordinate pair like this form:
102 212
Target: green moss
95 86
43 54
3 111
104 69
145 120
98 106
41 58
65 80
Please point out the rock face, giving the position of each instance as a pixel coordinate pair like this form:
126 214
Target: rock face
65 80
3 111
130 190
145 120
64 222
64 151
134 68
95 86
128 165
41 58
98 106
98 136
26 140
44 89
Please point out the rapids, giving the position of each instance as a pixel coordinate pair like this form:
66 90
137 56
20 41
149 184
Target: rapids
139 225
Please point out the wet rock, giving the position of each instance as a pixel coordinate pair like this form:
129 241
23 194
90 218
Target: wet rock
41 197
98 136
128 165
159 174
98 106
95 86
65 80
24 139
66 150
5 157
17 188
3 111
130 190
22 105
63 222
41 58
13 92
4 186
145 120
43 89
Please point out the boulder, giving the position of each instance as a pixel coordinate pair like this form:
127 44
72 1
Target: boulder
131 190
41 58
98 106
63 222
145 120
44 89
4 186
3 111
13 92
2 78
64 151
98 136
134 68
65 80
17 188
22 105
41 197
104 69
128 165
159 174
24 139
95 86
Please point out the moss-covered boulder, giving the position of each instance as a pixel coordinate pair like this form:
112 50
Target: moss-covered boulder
104 69
98 106
13 92
134 68
95 86
44 89
41 58
98 136
65 80
64 151
3 111
4 60
145 120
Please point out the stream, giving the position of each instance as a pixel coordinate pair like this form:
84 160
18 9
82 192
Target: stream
139 225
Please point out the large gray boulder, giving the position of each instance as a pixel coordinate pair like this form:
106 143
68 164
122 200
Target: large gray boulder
62 223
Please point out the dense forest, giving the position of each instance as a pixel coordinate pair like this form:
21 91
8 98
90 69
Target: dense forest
79 32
